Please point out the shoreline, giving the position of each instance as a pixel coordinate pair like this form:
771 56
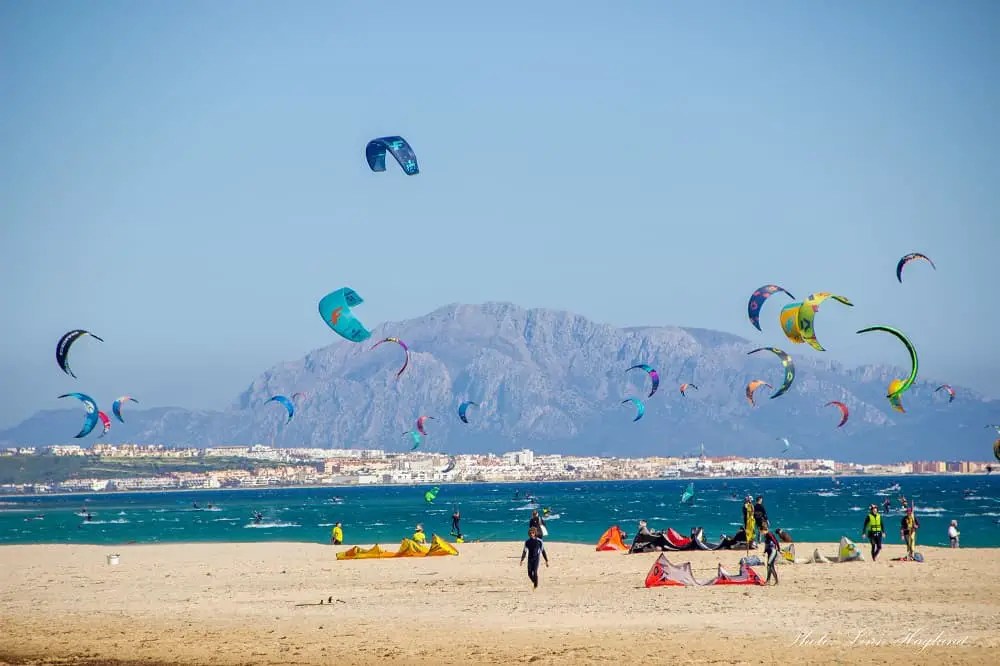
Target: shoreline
318 486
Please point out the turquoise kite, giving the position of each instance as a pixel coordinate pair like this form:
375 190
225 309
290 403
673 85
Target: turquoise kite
116 406
91 406
289 407
640 408
688 494
400 149
416 438
335 309
463 408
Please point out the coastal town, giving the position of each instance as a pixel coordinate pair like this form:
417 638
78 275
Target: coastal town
261 466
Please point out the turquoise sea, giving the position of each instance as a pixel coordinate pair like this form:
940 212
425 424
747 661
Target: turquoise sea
811 509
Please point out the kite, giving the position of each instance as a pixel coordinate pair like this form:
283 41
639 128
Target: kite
844 412
788 444
786 361
757 299
896 399
405 349
335 309
898 386
463 408
65 342
92 417
907 259
753 386
400 149
995 427
287 404
949 389
685 387
688 493
451 465
416 438
639 407
420 424
807 312
654 376
431 494
116 406
298 394
789 318
105 421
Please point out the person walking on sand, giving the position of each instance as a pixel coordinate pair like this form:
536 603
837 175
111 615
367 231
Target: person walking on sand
772 548
873 530
953 534
337 534
908 532
534 550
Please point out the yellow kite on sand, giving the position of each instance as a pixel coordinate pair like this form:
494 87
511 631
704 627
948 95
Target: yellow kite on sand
407 548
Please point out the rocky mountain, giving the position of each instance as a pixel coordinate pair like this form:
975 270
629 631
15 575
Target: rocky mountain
554 381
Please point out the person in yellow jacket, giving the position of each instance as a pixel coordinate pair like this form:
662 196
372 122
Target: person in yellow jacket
337 534
873 530
418 535
908 531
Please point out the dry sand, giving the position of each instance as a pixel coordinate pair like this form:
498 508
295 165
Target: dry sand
242 604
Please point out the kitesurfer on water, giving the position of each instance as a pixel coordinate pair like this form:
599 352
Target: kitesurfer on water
534 550
455 518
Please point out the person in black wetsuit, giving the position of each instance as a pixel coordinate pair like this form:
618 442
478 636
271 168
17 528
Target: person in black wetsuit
760 514
772 548
873 530
455 518
534 550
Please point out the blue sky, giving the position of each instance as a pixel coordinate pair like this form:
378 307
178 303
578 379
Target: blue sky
188 179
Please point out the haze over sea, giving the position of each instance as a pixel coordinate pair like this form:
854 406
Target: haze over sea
812 509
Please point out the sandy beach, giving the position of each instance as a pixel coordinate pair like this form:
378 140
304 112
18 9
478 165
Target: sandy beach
259 604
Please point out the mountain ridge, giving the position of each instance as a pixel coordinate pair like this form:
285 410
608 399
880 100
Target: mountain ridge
553 381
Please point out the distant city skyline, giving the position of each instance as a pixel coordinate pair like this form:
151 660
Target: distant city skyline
190 192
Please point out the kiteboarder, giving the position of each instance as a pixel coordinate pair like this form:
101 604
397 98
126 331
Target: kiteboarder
455 518
873 530
533 548
908 531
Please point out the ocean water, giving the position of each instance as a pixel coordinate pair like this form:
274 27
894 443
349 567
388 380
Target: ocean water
811 509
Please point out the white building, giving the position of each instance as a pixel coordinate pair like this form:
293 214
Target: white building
522 458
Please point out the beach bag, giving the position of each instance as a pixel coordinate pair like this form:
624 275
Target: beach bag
752 561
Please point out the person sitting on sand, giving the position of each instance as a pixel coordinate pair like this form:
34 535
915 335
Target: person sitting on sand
908 532
783 535
953 534
873 530
418 534
644 529
337 534
534 550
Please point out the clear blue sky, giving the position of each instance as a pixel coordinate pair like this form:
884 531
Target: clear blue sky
188 179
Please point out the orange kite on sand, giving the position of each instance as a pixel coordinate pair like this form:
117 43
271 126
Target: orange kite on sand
407 548
612 540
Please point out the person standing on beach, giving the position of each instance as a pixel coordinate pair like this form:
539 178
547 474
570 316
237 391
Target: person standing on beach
873 530
760 514
537 523
908 531
749 523
534 550
953 534
337 534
